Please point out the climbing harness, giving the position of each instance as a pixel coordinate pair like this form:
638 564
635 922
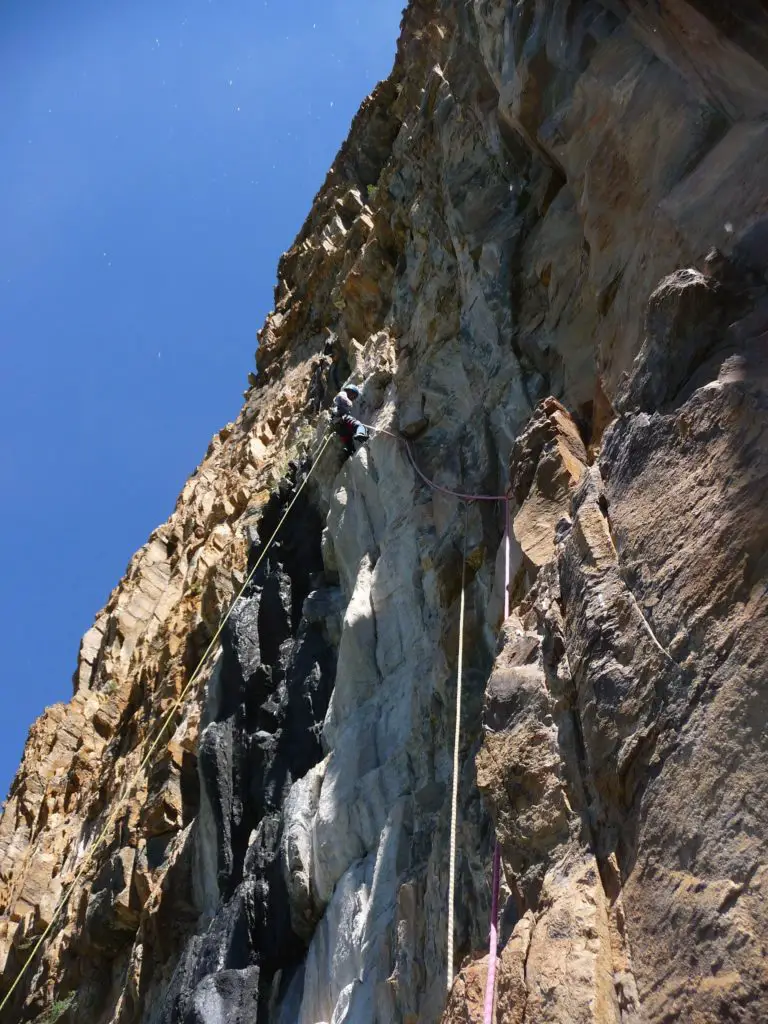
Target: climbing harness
456 739
490 984
166 722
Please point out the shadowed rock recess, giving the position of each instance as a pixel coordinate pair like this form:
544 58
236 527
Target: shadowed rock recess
542 254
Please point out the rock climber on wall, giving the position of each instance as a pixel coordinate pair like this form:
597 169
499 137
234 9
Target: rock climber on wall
350 430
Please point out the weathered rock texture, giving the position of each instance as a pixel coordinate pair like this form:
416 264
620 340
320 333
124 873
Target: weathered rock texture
542 254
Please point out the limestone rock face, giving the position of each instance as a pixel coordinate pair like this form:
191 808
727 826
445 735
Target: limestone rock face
542 255
620 758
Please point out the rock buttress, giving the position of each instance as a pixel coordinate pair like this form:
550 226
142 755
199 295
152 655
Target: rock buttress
623 757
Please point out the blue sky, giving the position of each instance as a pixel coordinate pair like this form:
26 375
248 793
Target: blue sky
155 160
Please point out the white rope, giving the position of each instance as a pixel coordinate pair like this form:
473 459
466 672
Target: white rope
456 743
490 981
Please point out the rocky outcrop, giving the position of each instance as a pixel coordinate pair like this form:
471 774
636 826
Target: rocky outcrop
542 255
618 758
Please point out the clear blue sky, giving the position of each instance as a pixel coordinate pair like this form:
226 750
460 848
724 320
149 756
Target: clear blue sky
155 160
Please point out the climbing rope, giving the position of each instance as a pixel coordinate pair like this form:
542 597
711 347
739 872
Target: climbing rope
490 984
466 498
490 981
456 739
166 722
431 483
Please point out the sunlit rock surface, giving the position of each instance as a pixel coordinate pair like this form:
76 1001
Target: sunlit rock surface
542 255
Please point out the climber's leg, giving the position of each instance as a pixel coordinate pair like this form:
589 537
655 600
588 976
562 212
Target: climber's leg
347 438
359 437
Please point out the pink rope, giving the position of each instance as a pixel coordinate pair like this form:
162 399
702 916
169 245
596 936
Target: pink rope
425 478
490 983
446 490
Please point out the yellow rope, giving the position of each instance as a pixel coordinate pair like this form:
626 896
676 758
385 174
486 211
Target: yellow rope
193 678
456 743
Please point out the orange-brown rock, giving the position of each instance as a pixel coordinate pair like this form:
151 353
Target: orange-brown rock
542 249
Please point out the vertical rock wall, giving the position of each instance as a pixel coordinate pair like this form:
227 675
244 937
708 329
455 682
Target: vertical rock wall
513 256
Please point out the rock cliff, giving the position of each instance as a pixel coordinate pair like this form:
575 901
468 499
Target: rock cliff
542 253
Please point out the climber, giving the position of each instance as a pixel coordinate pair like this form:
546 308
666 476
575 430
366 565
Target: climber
318 385
326 377
338 368
351 431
